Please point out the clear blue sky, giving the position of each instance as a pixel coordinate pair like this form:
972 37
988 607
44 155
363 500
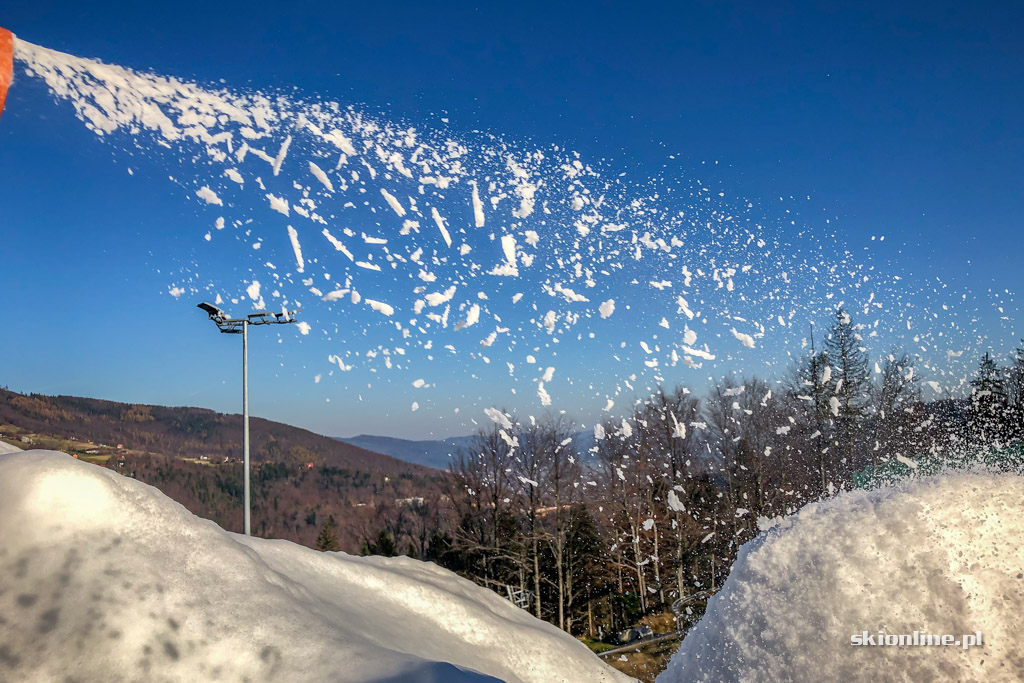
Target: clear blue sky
903 120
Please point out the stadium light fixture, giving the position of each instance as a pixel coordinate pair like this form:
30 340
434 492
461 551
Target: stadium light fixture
228 325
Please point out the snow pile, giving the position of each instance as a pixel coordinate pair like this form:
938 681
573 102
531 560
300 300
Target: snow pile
940 555
8 448
107 579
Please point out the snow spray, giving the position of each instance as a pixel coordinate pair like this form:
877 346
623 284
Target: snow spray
435 245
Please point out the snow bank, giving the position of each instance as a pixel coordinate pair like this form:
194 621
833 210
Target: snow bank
8 448
941 555
107 579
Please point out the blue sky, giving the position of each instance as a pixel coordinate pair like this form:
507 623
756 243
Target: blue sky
901 121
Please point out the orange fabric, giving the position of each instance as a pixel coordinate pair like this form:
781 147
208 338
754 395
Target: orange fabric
6 63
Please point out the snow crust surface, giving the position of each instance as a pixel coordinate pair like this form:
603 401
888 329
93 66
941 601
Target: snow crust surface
8 448
107 579
941 555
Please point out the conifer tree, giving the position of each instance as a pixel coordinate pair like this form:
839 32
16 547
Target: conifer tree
328 539
1015 393
988 399
849 371
898 390
809 392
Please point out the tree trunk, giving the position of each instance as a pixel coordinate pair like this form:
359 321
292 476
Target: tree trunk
536 576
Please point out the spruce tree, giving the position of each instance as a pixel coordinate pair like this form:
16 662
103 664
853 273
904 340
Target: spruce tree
1015 394
849 372
898 389
328 540
810 393
988 400
384 545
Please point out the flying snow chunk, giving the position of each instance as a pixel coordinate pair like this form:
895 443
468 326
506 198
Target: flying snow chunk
293 236
278 204
674 503
478 207
472 318
439 221
906 461
319 174
498 417
380 307
394 204
338 244
684 307
834 405
281 154
209 196
745 339
607 308
303 327
508 247
699 353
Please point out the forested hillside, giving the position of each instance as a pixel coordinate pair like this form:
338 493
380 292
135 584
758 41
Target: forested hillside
300 480
185 432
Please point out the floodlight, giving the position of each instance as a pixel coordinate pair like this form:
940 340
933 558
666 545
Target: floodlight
211 310
241 326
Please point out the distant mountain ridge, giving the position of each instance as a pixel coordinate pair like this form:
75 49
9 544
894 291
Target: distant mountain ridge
437 453
428 453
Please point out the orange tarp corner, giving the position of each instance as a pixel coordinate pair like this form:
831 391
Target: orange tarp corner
6 63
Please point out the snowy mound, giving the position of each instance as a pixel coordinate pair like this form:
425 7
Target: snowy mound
941 555
8 448
107 579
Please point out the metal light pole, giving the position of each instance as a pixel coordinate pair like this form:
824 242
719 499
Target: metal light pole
241 326
245 417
